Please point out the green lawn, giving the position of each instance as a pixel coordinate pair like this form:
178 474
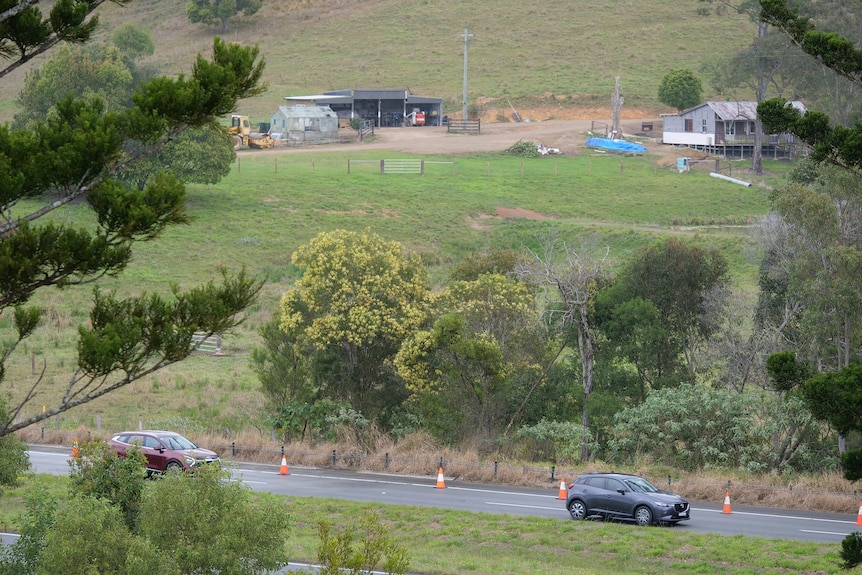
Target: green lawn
448 542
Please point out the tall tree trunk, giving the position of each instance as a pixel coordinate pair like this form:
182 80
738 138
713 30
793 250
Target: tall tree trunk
762 83
616 107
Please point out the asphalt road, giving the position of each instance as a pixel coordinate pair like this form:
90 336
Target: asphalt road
406 490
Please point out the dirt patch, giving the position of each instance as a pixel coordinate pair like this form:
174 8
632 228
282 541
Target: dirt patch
503 213
483 222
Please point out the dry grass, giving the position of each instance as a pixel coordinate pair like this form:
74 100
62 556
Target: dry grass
420 455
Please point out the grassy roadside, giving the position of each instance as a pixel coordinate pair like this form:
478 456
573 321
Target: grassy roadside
448 542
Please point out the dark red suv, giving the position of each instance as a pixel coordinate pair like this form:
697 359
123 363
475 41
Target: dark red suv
164 450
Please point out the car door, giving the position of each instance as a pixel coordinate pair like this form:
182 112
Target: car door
619 497
155 453
596 494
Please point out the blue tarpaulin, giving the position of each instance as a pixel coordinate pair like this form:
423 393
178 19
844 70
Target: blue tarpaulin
616 145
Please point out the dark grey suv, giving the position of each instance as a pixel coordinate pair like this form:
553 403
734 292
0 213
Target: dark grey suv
626 497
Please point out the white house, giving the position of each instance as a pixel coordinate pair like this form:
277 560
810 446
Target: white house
719 124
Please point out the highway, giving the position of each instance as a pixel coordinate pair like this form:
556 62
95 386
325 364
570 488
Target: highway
422 491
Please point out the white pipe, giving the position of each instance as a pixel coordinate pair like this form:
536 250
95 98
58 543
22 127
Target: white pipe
729 179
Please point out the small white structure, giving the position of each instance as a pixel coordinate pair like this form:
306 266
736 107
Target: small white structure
300 124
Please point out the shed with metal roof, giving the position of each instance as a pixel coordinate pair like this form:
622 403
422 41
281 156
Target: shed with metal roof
384 107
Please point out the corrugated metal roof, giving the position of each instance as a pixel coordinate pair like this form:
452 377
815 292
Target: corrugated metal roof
348 96
736 109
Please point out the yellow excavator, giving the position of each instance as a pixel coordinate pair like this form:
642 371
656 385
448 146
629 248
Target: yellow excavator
240 130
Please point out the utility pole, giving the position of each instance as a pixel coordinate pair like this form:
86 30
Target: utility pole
466 35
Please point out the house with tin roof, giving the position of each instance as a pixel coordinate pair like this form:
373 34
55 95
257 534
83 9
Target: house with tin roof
724 127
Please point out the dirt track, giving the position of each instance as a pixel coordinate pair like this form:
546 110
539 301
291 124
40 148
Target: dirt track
567 135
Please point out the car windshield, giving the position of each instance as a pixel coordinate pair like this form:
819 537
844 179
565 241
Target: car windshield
641 485
178 442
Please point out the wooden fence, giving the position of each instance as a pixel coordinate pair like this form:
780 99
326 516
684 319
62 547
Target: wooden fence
464 126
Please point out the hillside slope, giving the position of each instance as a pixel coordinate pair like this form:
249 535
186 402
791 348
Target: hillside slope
551 54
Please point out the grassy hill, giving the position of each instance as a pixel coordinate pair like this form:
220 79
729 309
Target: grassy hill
566 54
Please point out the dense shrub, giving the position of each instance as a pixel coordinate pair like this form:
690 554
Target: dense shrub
559 442
691 426
525 149
851 550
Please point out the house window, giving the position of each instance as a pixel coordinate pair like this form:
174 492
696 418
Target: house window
751 127
703 126
730 128
689 125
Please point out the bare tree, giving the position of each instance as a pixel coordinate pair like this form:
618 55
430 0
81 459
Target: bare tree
573 278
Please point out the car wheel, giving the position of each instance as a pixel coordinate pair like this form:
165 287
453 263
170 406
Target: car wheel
577 509
643 515
173 467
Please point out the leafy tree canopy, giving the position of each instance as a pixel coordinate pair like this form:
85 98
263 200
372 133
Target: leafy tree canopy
680 88
359 297
220 12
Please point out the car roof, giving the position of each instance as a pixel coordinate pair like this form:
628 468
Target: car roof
149 432
610 474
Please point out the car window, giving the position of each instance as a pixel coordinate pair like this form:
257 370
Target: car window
151 442
179 442
134 440
598 482
641 485
616 485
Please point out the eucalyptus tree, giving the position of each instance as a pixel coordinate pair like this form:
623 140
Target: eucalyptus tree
478 359
572 278
657 312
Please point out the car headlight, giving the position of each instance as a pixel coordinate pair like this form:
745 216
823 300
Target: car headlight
190 461
662 504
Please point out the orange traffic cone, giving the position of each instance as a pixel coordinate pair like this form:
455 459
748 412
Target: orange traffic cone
564 493
859 516
75 450
283 470
440 483
727 503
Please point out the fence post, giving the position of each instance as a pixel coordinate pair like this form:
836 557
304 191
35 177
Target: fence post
441 461
553 470
421 167
348 165
233 448
495 470
386 461
334 458
382 167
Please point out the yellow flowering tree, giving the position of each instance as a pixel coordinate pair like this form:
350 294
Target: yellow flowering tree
359 297
468 372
